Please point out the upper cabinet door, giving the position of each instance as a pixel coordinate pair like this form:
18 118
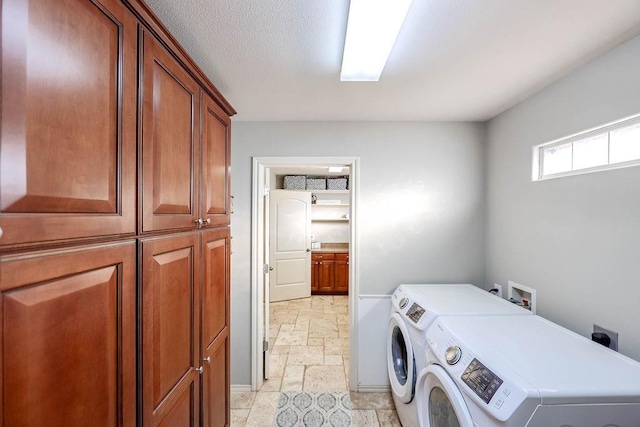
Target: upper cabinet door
170 152
67 153
216 162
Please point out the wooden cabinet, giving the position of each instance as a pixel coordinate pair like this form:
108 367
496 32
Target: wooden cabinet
68 147
341 273
216 163
111 138
68 337
170 320
216 382
329 273
170 147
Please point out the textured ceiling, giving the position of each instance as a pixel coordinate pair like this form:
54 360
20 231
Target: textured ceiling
459 60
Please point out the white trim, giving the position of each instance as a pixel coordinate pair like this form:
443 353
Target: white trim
236 388
257 254
538 158
374 389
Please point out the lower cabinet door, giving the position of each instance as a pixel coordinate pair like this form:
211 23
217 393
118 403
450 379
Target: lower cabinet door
68 337
216 249
216 384
169 330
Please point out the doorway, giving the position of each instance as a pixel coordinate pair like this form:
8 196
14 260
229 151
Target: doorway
263 168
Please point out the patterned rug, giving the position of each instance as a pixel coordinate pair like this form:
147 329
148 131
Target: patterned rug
309 409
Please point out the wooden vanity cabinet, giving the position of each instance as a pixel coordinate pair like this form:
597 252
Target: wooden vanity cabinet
341 273
329 273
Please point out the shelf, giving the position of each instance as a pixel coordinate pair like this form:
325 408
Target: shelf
329 191
315 205
329 219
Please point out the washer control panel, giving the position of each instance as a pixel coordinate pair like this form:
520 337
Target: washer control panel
415 313
481 380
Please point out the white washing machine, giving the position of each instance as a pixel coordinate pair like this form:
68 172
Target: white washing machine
413 310
523 371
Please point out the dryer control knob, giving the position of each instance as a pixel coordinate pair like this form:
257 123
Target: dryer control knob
404 302
453 354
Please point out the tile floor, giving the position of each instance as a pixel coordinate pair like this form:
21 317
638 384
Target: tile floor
309 339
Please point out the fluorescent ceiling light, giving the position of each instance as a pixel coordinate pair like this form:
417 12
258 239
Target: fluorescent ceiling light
371 32
335 168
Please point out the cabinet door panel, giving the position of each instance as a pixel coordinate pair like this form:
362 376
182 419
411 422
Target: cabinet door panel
341 274
215 284
68 340
216 161
170 313
67 156
216 383
325 275
169 145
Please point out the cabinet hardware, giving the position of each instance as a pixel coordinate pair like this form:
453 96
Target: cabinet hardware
207 221
200 370
207 359
198 222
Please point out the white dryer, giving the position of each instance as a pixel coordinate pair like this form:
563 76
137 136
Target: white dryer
523 371
413 310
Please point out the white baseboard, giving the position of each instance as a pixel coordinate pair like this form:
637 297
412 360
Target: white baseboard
374 389
240 388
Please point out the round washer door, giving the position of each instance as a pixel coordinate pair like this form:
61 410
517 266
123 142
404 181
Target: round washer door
440 402
400 361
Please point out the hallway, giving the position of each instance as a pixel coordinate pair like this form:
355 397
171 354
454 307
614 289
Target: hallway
309 339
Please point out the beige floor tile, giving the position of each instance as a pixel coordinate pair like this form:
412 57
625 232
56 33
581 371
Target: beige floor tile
277 363
293 378
292 338
323 328
343 331
280 349
264 408
286 327
302 324
336 342
239 417
364 418
388 418
324 378
371 401
305 355
330 317
272 384
315 341
333 360
310 314
332 350
242 400
284 317
300 304
342 319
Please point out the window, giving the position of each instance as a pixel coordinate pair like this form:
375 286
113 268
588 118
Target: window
607 147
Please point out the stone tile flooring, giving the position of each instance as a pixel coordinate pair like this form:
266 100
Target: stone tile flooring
309 341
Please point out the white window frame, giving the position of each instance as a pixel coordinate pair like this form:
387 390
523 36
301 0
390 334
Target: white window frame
538 157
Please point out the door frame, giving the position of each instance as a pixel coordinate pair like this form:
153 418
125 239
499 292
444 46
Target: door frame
260 169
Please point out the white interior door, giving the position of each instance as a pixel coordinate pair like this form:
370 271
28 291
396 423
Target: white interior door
289 245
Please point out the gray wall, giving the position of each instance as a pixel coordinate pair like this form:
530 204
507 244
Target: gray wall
421 205
576 239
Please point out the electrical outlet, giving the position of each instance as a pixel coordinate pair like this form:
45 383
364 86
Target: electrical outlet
613 335
499 288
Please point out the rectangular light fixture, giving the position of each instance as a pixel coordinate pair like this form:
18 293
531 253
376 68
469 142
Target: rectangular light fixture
372 29
334 169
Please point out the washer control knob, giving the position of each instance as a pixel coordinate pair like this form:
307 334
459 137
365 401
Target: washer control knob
453 354
404 302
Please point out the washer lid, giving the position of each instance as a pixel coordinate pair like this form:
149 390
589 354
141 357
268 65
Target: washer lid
561 365
460 299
